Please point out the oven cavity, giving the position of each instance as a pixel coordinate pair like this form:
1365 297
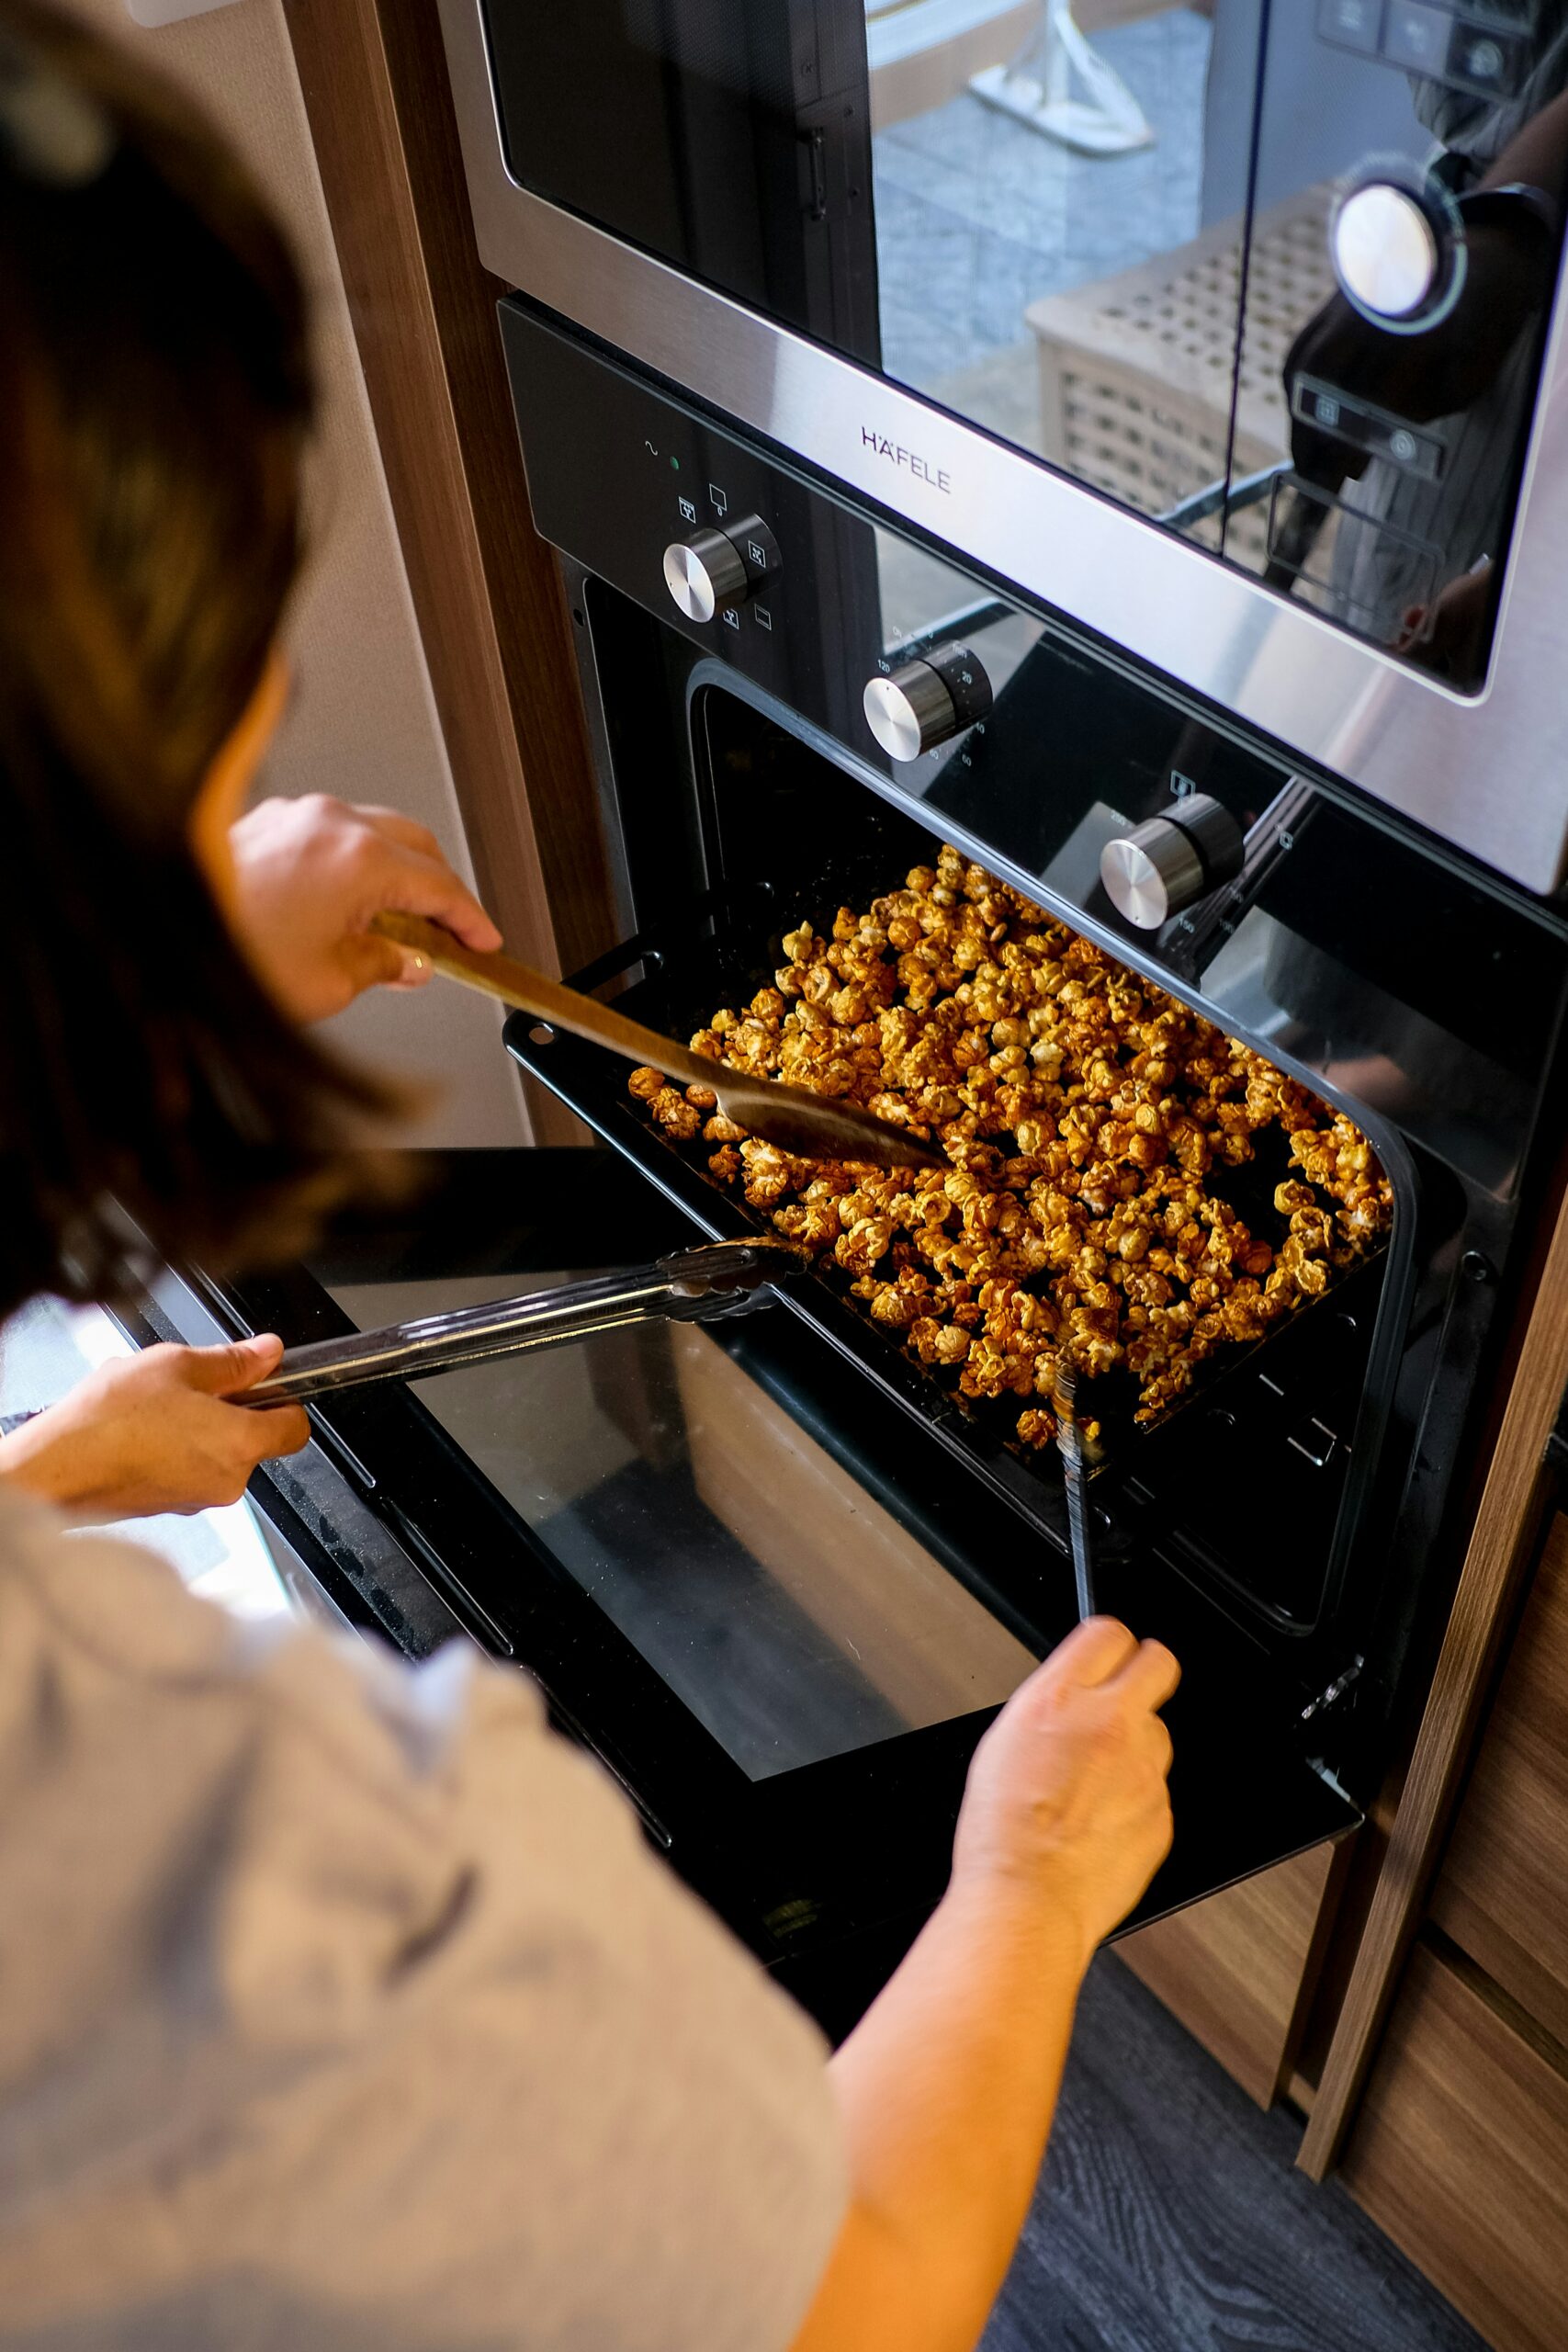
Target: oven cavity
1129 1191
1090 1122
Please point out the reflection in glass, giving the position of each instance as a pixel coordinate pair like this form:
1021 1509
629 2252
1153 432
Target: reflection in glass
1025 276
1146 241
1408 390
652 1466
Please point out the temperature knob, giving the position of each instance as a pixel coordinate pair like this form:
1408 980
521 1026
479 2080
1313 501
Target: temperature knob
713 569
1397 252
926 702
1151 874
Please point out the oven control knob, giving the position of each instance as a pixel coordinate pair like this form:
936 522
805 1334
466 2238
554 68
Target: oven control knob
716 569
1152 873
924 703
1394 250
704 573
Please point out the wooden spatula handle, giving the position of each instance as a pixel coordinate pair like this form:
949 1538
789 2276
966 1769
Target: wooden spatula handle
529 991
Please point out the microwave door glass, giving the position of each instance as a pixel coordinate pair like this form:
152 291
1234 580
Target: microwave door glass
1031 213
1411 165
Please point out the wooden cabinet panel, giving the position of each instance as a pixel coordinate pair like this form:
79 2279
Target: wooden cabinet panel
1503 1892
1461 2154
916 1637
1238 1968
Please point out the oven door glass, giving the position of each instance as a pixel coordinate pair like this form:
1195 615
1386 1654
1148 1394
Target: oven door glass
781 1625
958 192
1275 277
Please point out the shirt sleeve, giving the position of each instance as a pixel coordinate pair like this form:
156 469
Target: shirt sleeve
405 2039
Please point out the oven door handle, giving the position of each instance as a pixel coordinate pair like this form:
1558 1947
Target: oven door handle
723 1278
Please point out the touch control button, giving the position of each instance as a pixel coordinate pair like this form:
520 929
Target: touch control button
1385 251
1351 24
926 702
1418 36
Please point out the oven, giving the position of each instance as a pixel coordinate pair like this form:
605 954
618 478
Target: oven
779 1572
1223 332
1130 609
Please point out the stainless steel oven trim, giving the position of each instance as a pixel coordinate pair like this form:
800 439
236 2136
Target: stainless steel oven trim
1407 739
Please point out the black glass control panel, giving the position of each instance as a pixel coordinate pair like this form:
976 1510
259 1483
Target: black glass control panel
1275 278
966 705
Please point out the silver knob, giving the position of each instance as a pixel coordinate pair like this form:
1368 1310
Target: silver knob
910 711
1155 871
706 571
926 702
1386 251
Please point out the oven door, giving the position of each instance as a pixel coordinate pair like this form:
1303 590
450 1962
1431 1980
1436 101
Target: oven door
780 1624
1217 329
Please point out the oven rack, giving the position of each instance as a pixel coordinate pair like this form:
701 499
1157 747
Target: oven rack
675 988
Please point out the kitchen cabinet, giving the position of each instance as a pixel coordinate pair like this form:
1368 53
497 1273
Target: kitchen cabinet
1444 2095
1460 2147
1461 2154
1502 1894
1238 1968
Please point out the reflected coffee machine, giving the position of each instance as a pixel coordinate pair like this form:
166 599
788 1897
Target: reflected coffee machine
1131 464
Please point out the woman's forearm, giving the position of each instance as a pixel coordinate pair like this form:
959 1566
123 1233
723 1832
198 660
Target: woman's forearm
947 2088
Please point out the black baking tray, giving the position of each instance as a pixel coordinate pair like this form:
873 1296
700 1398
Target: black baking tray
721 950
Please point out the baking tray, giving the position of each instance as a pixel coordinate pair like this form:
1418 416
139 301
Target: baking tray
720 950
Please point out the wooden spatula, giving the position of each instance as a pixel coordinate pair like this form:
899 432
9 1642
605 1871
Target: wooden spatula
812 1126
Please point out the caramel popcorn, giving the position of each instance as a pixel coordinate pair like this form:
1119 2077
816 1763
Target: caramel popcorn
1082 1109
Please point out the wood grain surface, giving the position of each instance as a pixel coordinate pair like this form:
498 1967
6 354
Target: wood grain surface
1461 2154
921 1639
1512 1501
485 587
1502 1891
1170 2218
1239 1968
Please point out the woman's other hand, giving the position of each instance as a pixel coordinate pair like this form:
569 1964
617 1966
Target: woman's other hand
307 878
154 1432
948 2084
1066 1799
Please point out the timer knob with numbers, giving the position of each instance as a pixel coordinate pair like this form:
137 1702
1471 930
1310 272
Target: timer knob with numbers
1162 867
926 702
713 569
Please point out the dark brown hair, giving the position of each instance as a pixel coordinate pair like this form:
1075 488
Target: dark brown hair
155 392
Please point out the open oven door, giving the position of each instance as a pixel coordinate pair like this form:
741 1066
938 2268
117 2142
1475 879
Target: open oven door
780 1621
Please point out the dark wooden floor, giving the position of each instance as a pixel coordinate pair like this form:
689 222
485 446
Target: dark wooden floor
1170 2218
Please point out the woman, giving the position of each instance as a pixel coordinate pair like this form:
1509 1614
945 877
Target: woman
342 2006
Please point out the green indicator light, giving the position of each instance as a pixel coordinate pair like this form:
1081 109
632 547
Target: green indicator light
675 465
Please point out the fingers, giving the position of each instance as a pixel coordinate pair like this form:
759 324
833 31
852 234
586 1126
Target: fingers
284 1428
1149 1677
1092 1651
416 882
393 826
368 961
229 1371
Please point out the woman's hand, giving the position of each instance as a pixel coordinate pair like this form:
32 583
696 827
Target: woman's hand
947 2084
307 878
1066 1800
152 1432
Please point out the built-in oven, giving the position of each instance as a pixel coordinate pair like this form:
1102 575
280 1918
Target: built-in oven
1064 580
1223 332
779 1571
